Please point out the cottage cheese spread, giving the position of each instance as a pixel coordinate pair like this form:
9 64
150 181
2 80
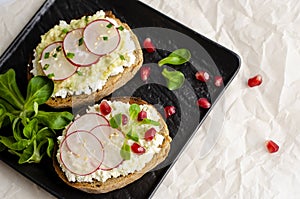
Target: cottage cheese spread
136 162
92 78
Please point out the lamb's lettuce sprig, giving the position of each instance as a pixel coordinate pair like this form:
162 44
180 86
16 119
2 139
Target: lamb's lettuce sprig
30 132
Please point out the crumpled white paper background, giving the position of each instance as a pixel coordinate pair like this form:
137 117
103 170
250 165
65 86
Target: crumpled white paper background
266 36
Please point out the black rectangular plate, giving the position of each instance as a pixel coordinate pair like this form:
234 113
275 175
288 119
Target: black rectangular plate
168 35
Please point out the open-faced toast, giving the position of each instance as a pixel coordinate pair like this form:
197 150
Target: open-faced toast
88 83
93 182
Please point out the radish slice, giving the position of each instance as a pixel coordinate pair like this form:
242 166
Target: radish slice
112 140
81 152
54 63
87 122
101 37
73 43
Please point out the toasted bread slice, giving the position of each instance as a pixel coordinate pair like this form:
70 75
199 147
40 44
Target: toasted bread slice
113 82
111 184
119 182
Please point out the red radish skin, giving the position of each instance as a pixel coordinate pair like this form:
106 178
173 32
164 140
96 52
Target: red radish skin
150 134
145 73
57 65
87 122
255 81
202 76
94 34
218 81
83 57
74 151
137 149
105 109
271 146
203 103
142 115
148 45
169 110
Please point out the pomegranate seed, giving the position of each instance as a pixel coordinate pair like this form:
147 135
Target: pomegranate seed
136 148
218 81
142 115
145 73
271 146
255 81
105 109
148 45
202 76
124 119
149 135
203 103
169 110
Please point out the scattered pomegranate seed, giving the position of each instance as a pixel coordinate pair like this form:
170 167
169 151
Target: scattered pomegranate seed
218 81
271 146
136 148
202 76
142 115
145 73
105 109
149 135
255 81
124 119
169 110
148 45
203 103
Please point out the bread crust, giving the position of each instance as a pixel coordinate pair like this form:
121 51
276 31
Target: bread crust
113 82
111 184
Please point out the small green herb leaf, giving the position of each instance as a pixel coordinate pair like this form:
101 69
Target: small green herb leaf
51 75
16 126
2 114
79 73
2 147
54 55
7 141
121 28
46 67
54 120
116 121
65 30
178 57
58 49
12 144
149 121
80 41
39 90
109 25
44 133
9 89
7 113
46 55
31 129
32 153
86 18
134 110
50 147
70 55
122 57
175 79
35 108
132 135
105 38
125 151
